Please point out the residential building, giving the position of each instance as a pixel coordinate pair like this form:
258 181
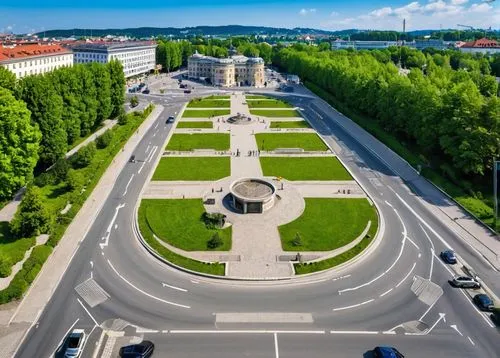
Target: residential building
227 72
426 43
33 59
362 45
136 57
483 45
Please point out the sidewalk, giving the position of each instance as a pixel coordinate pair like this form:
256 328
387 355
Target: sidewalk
44 285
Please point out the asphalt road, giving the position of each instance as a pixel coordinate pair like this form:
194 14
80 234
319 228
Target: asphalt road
349 312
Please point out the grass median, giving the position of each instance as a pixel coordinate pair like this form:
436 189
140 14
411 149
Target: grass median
205 113
188 142
209 103
192 168
275 113
197 124
268 103
147 234
306 141
327 224
304 168
290 124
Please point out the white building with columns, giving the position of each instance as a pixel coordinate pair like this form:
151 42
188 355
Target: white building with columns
136 57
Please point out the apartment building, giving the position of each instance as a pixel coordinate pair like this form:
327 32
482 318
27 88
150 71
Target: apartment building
32 59
136 57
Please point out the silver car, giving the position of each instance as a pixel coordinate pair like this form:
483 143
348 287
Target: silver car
465 282
76 340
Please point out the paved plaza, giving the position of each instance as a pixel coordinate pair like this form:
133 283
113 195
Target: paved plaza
256 251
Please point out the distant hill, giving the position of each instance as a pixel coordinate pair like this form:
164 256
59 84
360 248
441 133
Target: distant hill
228 30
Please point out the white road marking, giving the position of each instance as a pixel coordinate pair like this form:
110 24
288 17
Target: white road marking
156 126
388 332
432 250
147 149
143 292
418 248
341 277
408 274
65 335
144 330
471 341
151 156
353 306
242 331
126 187
108 231
91 264
86 310
354 332
430 307
148 158
193 281
276 349
386 292
142 166
173 287
454 326
427 331
477 310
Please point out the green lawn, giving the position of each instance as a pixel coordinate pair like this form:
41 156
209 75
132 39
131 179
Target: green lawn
256 96
11 250
304 268
273 103
277 113
147 234
218 97
304 168
192 168
204 113
187 142
327 224
306 141
290 124
178 222
199 124
209 103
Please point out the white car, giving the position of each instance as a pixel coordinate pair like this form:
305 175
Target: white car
76 340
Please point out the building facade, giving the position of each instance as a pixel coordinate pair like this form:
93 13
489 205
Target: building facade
363 45
136 57
34 59
227 72
483 45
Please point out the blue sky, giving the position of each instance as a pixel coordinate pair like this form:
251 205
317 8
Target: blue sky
36 15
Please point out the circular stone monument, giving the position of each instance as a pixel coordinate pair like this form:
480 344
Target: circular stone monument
251 195
239 119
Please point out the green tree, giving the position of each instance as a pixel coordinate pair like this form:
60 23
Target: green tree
104 139
117 77
102 82
19 144
75 181
46 108
32 217
215 241
7 79
85 155
134 101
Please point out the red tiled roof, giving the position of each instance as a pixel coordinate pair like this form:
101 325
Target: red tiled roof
25 51
482 43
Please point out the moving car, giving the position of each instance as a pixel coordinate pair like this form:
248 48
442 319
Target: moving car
387 352
449 257
484 302
465 282
170 119
144 349
76 339
132 159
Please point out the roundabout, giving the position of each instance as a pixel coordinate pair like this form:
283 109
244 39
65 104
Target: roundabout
393 292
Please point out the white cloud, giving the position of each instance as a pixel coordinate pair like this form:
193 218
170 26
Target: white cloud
305 12
481 8
334 13
423 14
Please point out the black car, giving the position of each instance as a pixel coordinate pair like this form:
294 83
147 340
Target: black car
132 159
387 352
187 91
146 91
449 257
484 302
170 119
142 350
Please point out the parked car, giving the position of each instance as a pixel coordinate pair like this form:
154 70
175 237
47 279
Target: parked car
465 282
449 257
387 352
182 85
484 302
495 316
187 91
146 91
170 119
75 342
144 349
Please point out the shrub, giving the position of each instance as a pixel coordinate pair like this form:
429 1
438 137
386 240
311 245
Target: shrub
297 240
44 179
5 266
32 218
75 180
104 139
122 117
85 155
60 170
213 220
134 101
215 241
